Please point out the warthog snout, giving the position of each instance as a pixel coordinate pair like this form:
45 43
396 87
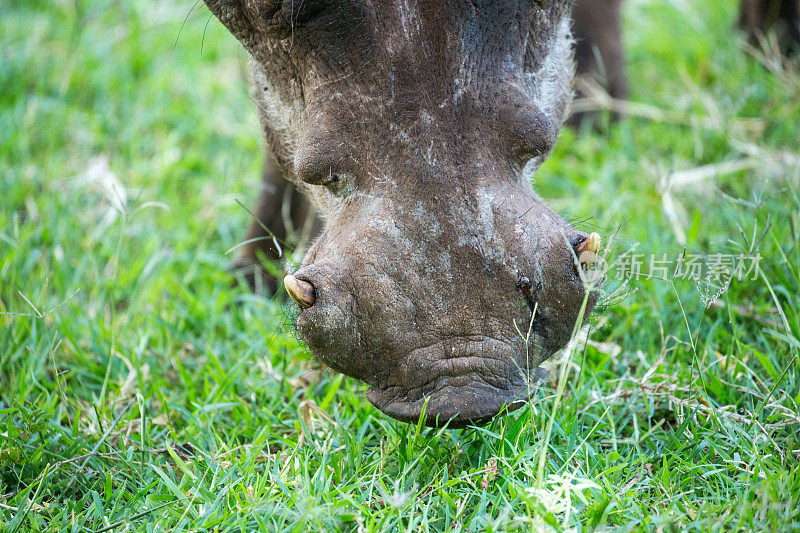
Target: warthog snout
452 306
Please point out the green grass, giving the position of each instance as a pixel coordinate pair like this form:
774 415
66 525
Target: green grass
139 389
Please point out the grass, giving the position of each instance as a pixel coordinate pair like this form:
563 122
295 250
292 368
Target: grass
140 390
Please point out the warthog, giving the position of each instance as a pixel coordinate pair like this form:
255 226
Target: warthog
440 278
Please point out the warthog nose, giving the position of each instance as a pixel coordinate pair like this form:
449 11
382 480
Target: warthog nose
587 250
301 291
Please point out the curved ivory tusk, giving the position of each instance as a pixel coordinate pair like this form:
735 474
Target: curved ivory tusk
590 244
301 291
587 250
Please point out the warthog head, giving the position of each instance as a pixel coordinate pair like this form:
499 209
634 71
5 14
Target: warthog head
416 125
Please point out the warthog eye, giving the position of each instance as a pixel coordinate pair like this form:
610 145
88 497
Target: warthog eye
338 184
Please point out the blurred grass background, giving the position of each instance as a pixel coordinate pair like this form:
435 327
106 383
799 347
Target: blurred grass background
139 389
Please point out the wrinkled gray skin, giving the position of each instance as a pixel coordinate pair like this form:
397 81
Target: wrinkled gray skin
408 123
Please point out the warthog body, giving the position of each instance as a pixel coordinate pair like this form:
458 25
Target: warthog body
440 279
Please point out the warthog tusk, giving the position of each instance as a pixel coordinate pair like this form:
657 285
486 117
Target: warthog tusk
587 250
301 291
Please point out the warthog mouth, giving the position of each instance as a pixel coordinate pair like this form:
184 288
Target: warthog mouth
450 357
458 381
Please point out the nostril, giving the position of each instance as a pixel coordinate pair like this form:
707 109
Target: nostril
300 290
586 250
